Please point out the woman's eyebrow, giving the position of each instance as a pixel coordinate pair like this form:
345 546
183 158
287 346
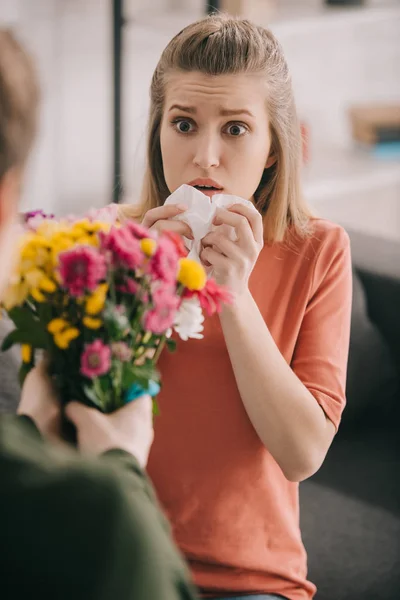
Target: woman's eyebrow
189 109
224 112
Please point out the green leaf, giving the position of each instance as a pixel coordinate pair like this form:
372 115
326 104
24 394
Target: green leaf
171 344
92 396
23 372
35 337
140 374
22 317
156 409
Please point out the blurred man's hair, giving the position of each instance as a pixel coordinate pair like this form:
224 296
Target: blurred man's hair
19 98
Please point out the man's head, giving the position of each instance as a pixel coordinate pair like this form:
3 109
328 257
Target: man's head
19 97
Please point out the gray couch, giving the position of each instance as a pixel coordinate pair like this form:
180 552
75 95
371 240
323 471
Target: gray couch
350 510
9 366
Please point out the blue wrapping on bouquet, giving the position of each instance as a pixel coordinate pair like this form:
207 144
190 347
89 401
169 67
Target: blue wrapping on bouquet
136 391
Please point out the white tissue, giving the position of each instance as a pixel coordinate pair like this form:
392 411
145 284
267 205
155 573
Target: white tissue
200 214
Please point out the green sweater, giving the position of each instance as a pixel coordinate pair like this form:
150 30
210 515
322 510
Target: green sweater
74 528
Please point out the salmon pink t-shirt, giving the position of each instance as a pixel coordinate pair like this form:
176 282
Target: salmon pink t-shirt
234 515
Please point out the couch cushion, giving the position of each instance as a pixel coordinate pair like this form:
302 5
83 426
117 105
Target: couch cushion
9 367
372 380
353 547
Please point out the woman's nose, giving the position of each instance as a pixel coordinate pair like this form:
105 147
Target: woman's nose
207 152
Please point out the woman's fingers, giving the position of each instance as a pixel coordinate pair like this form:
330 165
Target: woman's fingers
221 243
247 223
176 226
254 218
162 213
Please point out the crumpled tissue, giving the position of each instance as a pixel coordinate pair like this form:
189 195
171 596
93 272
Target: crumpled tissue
200 214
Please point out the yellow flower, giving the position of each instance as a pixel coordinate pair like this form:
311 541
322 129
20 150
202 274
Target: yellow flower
50 227
15 295
57 325
38 295
63 332
88 240
60 242
26 353
33 277
92 323
95 302
47 285
191 274
88 228
65 337
148 246
34 253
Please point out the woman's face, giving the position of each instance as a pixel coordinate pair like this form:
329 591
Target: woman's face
215 133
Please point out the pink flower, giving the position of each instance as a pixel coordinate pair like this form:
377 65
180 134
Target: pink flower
106 214
81 269
96 359
211 297
123 246
165 295
121 351
139 231
164 263
161 317
178 242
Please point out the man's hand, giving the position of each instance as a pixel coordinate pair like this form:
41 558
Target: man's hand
39 402
130 428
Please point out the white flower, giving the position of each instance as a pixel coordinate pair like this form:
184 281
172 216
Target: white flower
189 319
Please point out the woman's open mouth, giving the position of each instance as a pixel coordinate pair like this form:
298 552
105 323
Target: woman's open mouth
209 187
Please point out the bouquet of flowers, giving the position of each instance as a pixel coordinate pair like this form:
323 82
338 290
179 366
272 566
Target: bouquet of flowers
102 299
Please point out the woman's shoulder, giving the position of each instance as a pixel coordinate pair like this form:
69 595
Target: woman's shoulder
317 246
320 237
326 231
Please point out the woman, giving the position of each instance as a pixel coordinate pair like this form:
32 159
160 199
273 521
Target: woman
250 411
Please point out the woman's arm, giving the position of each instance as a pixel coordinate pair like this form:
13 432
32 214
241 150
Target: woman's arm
285 413
288 420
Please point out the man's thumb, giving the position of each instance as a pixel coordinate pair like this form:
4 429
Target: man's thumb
77 412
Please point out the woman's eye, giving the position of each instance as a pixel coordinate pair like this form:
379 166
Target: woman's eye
183 126
236 129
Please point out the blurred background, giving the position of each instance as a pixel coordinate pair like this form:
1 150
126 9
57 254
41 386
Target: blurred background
341 54
95 60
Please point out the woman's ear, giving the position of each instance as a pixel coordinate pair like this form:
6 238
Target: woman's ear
271 160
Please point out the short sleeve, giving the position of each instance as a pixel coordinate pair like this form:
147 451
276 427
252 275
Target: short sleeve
321 352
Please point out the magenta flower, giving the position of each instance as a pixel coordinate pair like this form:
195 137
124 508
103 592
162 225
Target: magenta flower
36 213
35 218
95 360
81 269
130 286
164 263
123 247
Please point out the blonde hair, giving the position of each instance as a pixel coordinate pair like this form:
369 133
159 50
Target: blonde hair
19 99
221 45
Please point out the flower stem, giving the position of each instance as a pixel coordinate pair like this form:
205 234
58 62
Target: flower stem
160 348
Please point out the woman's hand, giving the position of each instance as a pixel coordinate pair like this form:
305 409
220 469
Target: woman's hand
160 219
39 401
233 262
